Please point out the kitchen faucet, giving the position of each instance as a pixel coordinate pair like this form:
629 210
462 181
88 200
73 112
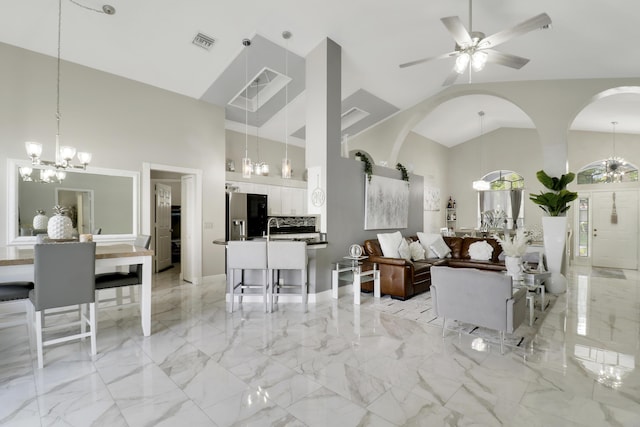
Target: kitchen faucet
269 226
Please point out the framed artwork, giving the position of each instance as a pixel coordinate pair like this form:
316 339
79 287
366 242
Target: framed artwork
386 203
431 199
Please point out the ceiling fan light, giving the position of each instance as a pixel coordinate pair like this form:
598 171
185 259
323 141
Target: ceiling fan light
461 62
479 60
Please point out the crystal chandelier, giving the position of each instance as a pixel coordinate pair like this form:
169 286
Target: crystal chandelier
286 162
481 184
614 165
64 154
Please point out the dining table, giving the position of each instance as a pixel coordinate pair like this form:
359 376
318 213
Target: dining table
16 264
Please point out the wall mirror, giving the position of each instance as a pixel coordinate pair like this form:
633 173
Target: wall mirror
103 202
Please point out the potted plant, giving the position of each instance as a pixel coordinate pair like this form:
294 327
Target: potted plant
368 167
555 203
514 249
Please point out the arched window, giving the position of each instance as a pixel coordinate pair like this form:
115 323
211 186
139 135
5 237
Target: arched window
608 170
500 200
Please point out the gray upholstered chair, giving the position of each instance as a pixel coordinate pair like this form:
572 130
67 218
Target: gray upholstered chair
10 293
282 257
64 275
246 255
482 298
121 279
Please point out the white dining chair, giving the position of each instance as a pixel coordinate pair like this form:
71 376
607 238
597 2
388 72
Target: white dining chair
282 257
244 256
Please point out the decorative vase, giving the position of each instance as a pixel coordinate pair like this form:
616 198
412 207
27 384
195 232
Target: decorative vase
555 236
514 267
40 220
60 225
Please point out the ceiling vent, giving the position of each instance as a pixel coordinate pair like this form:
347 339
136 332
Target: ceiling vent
203 41
352 116
266 84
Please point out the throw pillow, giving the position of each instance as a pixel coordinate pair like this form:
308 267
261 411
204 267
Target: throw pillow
426 240
440 248
417 251
389 243
480 251
404 251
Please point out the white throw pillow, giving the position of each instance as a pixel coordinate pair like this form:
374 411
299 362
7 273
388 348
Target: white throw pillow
426 240
404 251
417 251
389 243
440 248
480 251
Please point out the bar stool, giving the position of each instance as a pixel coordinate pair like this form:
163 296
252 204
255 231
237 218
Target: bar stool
246 255
287 255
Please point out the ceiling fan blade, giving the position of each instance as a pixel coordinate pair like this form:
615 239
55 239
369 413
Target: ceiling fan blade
432 58
500 37
457 30
506 59
451 78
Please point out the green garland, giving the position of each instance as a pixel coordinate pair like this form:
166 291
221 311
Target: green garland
403 171
368 168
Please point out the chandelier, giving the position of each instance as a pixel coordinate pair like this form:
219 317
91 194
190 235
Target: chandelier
614 165
481 184
64 154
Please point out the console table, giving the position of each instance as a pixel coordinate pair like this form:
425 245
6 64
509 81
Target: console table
16 263
350 269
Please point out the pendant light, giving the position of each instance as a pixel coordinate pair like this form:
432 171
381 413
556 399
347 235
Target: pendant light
286 162
246 161
481 184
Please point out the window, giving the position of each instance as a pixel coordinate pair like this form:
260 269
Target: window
607 171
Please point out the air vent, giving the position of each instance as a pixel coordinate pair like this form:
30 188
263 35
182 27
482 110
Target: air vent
266 84
352 116
203 41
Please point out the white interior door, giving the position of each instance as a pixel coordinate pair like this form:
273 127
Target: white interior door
163 227
615 243
186 228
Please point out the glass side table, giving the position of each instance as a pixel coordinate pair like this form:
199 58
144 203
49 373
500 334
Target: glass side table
350 269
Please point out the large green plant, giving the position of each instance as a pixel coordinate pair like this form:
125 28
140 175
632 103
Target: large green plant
556 201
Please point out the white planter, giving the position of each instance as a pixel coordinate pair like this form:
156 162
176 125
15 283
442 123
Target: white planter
514 267
555 237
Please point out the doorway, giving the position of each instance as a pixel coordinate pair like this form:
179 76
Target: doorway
80 205
189 199
615 229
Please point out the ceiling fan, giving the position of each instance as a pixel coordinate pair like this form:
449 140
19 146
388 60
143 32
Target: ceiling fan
475 49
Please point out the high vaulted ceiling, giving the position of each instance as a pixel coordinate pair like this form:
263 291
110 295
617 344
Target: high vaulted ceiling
151 41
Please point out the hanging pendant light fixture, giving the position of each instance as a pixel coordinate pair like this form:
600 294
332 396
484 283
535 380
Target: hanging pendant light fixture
260 167
64 154
481 184
614 165
246 161
286 162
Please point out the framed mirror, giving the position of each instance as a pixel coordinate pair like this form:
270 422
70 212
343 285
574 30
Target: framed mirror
103 202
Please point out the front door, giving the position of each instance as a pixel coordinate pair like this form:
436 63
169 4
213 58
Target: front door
163 227
615 233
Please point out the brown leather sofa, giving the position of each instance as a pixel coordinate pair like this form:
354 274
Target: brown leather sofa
402 279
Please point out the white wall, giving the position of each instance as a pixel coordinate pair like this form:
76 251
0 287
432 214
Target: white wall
122 122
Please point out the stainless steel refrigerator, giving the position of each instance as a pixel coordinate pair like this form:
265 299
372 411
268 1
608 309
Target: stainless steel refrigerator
246 215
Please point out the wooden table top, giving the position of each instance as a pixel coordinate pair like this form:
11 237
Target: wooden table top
23 255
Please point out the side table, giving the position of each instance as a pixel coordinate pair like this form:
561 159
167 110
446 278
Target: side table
534 281
350 269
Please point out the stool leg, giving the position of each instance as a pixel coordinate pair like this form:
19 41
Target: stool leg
231 289
265 287
303 290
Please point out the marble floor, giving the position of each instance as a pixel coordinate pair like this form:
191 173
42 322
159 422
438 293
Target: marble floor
335 365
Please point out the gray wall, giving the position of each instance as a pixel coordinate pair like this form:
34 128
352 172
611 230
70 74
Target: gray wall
122 122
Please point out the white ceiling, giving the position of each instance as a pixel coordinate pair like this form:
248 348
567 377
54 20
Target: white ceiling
150 41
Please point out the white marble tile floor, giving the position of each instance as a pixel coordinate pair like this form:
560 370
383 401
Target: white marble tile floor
378 364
